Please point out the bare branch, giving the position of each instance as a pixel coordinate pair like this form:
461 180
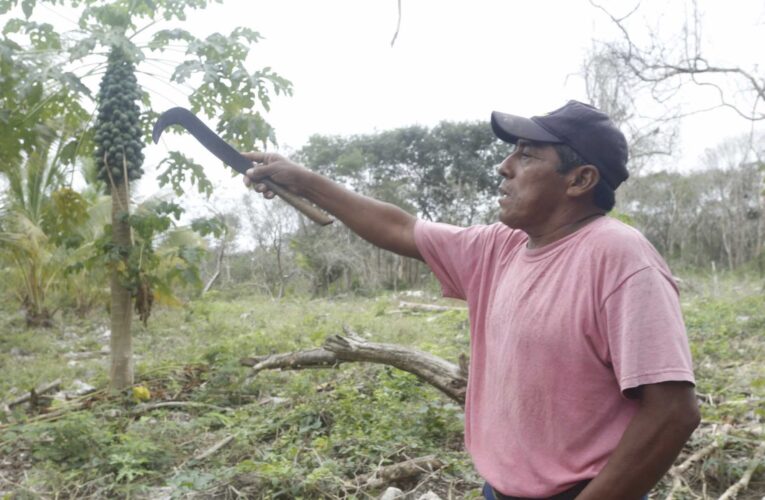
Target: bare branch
743 483
400 471
398 25
449 378
655 64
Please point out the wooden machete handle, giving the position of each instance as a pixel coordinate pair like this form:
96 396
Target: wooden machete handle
298 203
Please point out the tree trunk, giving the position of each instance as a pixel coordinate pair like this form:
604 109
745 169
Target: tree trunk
218 264
121 374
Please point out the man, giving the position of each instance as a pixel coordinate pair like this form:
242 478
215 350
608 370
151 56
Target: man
580 378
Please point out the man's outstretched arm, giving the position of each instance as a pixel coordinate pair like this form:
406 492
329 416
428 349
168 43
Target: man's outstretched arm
667 416
382 224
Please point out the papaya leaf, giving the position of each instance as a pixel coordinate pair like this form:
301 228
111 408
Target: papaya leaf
206 226
27 6
180 168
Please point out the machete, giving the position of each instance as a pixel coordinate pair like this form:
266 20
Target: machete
231 157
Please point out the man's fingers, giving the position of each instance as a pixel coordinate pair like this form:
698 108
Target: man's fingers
255 156
262 157
263 189
254 174
259 187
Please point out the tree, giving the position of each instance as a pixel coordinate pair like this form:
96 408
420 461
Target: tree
271 226
126 30
37 215
713 214
612 88
667 66
40 106
445 173
119 160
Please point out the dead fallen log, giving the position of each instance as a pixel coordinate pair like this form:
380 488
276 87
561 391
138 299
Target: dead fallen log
311 358
407 470
449 378
416 306
32 395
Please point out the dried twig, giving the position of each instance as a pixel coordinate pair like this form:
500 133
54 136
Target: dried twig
147 407
51 386
403 470
743 483
678 471
214 448
428 307
398 25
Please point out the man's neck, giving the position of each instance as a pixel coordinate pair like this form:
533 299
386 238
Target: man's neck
561 228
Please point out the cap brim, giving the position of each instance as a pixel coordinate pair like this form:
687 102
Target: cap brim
510 128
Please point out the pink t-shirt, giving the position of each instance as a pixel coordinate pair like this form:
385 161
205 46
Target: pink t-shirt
557 334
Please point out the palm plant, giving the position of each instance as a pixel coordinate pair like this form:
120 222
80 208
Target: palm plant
36 209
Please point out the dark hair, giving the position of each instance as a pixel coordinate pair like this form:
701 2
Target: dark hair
603 196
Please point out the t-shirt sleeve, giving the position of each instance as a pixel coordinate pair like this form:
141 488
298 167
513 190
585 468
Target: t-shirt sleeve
646 335
454 254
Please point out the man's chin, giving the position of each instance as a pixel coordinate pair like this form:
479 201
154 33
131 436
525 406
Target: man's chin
509 221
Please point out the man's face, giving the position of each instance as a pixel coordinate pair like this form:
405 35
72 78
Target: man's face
531 188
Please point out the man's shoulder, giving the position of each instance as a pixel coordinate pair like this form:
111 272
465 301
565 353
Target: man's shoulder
622 250
614 237
487 232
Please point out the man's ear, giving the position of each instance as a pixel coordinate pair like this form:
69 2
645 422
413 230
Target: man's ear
582 180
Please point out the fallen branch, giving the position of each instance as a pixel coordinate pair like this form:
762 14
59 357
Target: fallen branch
78 356
449 378
678 471
32 395
743 483
213 449
414 306
147 407
312 358
397 472
218 265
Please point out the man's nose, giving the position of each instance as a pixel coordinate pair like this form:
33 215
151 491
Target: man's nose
505 168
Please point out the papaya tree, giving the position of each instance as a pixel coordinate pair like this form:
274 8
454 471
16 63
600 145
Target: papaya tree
119 160
121 39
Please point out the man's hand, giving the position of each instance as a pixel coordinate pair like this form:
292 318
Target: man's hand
380 223
280 170
667 416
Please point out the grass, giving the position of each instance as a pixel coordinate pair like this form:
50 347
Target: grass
308 434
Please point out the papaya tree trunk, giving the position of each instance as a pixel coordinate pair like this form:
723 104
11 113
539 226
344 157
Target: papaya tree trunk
121 373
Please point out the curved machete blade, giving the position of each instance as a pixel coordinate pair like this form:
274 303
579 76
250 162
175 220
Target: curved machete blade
231 157
209 139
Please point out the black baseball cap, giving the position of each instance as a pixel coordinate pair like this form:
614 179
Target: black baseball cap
582 127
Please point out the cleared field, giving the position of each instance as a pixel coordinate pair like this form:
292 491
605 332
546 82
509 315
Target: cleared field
199 424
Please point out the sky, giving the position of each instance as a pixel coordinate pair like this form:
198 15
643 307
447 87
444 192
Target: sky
452 60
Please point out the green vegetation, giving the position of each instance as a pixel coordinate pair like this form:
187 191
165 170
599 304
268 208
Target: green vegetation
195 421
311 433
